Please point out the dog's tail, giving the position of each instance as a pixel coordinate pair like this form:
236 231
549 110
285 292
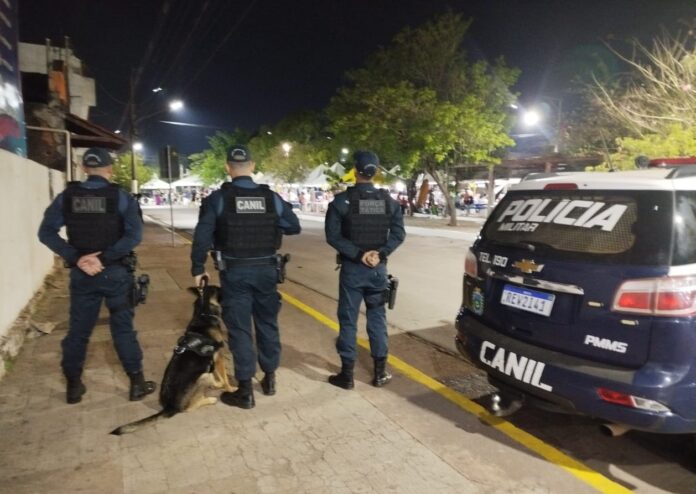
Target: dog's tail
138 424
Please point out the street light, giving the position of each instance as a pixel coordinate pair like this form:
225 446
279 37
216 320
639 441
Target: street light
534 116
531 118
174 105
286 147
345 151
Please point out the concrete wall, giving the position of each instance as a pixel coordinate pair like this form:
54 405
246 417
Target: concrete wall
26 188
83 95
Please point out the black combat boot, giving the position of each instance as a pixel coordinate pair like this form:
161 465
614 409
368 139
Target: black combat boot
139 387
382 375
242 398
268 384
344 379
75 390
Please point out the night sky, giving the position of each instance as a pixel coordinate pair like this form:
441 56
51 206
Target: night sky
249 63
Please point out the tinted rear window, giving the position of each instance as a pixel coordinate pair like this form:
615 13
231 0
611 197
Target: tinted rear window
685 228
631 227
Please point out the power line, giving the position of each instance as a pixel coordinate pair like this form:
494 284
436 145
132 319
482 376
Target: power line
146 57
221 44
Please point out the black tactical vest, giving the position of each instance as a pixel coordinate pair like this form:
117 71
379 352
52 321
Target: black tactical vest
248 225
368 219
92 218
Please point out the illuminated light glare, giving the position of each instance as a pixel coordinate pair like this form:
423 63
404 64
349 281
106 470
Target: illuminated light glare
286 147
345 151
156 90
137 146
117 131
530 118
400 186
176 105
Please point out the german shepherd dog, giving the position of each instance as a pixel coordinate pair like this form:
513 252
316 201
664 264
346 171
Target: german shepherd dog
198 362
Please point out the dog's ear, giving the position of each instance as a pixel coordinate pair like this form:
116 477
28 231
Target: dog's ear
194 290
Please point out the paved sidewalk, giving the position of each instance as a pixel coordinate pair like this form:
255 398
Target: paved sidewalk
310 437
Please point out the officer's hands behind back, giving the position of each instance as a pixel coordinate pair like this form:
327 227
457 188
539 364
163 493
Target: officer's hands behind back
370 258
90 264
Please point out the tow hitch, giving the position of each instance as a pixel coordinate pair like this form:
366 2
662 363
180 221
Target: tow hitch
504 403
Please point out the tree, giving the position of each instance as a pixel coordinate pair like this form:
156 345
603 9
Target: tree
304 133
422 105
123 173
210 163
673 141
660 89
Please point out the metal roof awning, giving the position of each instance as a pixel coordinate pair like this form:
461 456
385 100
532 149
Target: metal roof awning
85 134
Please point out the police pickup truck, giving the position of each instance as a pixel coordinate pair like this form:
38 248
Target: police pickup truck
580 295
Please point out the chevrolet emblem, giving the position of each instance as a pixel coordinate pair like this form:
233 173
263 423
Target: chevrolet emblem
527 266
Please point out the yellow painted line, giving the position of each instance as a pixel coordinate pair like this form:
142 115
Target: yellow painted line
553 455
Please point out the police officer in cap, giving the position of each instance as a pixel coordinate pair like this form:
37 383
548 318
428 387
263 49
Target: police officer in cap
245 221
365 225
103 225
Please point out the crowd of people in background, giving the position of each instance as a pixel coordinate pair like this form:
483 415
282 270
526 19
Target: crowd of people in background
316 200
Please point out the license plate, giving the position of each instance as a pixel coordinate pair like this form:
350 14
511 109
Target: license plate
525 299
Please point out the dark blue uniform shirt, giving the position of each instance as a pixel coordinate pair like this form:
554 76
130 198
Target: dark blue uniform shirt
128 207
212 207
339 208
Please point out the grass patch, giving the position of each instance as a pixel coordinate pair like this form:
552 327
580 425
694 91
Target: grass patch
8 364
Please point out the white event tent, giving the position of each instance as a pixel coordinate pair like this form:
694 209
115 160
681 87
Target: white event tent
155 184
189 181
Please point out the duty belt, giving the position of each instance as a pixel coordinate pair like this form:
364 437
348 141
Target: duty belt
262 261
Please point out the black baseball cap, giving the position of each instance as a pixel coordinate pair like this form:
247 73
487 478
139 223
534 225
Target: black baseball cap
96 158
366 163
238 153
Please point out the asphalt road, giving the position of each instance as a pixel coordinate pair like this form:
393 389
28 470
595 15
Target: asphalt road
429 266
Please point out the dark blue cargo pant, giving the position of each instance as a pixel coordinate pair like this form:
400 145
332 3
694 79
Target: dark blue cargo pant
358 283
112 285
250 293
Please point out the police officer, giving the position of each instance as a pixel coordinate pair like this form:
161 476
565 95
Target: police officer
365 226
103 225
245 221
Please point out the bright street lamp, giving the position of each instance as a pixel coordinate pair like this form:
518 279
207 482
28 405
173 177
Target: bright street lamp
531 118
176 105
534 116
345 150
286 147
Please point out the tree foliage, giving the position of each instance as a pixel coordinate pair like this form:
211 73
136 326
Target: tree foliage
421 104
304 133
210 163
123 173
672 141
660 89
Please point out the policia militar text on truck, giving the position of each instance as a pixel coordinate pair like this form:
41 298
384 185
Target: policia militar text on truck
580 295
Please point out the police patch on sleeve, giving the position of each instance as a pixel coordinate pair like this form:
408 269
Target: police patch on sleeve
372 206
88 204
251 205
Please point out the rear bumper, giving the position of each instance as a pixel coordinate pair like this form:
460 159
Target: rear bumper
571 383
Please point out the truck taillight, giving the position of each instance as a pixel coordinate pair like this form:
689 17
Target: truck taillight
470 267
668 296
